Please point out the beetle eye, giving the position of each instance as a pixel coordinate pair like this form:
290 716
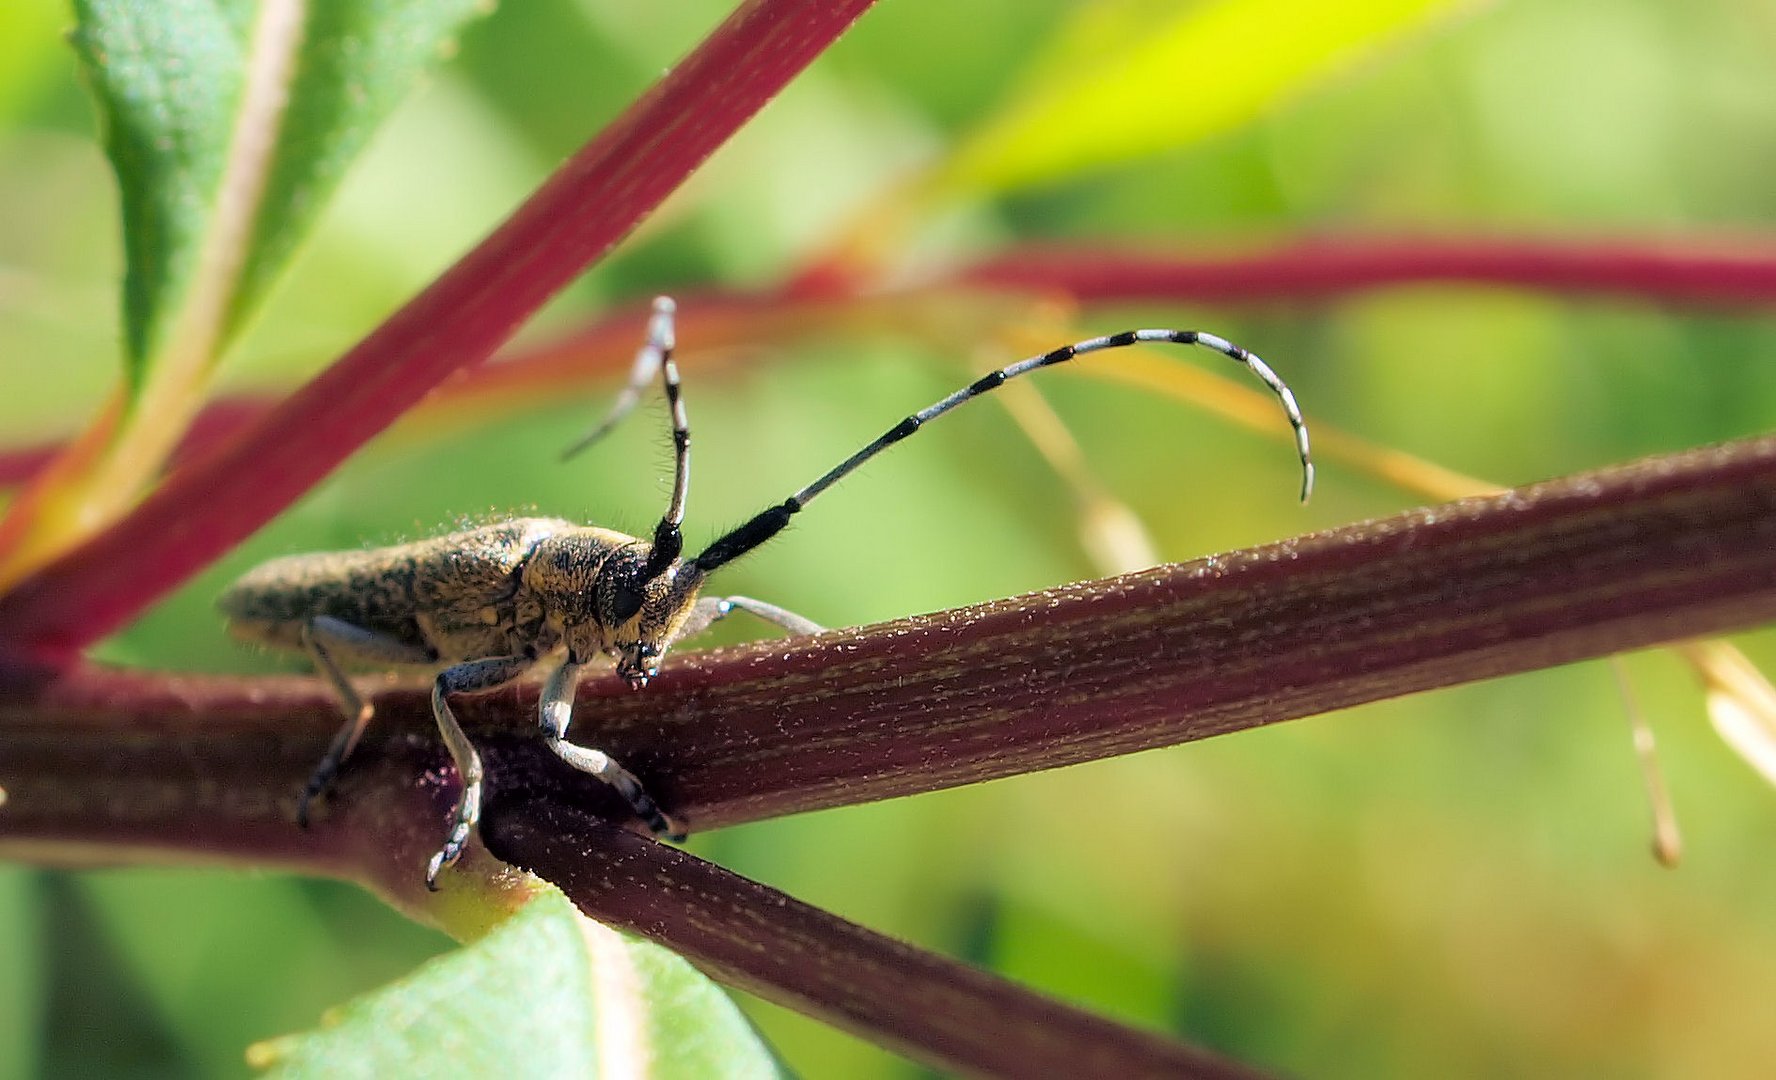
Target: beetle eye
624 602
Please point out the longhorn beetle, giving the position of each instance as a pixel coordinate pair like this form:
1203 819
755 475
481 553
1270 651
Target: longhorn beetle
489 602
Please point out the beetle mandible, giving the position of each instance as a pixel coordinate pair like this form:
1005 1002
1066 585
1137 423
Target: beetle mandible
490 602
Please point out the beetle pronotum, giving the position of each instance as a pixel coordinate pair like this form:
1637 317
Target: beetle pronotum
490 602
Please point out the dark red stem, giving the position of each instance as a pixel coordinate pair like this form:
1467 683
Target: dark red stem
1618 559
936 1011
111 766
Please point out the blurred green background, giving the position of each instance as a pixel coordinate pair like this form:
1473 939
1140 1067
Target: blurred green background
1454 885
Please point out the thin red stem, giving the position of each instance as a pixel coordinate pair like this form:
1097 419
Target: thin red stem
1679 270
1734 271
578 215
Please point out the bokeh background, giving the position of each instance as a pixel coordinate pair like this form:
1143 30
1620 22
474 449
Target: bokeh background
1456 884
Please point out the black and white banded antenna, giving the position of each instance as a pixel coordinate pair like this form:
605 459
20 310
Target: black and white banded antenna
655 357
652 358
769 522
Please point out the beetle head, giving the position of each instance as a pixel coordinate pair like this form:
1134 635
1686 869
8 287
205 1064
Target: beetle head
604 592
640 607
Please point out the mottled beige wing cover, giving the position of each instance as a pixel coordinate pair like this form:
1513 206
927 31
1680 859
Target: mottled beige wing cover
455 595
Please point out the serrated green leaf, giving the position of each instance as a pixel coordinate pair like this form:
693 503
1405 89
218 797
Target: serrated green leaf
218 186
543 995
1128 78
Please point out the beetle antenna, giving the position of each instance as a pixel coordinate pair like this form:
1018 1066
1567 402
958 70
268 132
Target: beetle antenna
654 355
649 359
769 522
668 541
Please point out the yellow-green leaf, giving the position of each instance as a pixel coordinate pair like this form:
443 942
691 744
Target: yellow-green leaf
1132 77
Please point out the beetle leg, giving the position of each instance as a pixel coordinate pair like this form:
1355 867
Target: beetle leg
555 710
465 677
712 609
318 635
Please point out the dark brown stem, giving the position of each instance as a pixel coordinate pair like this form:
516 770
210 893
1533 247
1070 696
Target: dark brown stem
101 766
1576 568
111 766
1618 559
934 1010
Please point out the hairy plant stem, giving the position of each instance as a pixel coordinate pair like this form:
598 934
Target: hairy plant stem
106 766
1617 559
933 1010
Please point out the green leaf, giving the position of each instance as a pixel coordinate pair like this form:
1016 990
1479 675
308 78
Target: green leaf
545 994
229 122
1128 78
28 48
24 966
